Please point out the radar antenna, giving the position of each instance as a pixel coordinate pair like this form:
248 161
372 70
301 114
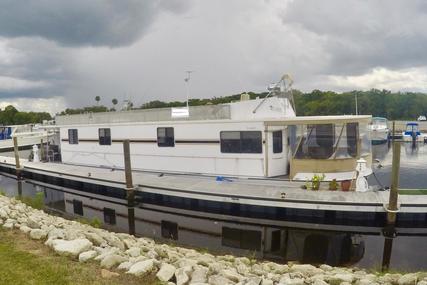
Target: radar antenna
280 89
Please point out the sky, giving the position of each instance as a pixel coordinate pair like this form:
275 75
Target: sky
56 54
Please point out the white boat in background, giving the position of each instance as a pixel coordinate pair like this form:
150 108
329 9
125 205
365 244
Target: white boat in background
412 133
379 130
26 135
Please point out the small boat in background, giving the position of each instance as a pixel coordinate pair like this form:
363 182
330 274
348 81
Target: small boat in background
413 134
379 130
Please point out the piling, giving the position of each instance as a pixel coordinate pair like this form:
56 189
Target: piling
392 208
130 190
17 162
41 150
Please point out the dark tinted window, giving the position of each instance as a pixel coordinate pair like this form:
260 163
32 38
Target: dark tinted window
241 142
73 137
277 142
104 136
244 239
165 137
109 216
352 138
78 207
169 230
275 240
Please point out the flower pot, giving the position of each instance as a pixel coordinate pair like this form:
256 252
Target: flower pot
345 185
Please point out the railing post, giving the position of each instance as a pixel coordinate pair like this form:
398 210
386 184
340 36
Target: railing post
130 190
17 162
392 203
41 151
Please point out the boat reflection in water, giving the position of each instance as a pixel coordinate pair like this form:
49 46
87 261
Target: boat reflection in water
333 247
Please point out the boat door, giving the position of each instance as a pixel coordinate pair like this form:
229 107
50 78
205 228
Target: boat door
277 152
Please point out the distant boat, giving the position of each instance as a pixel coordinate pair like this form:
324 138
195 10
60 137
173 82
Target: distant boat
379 130
412 133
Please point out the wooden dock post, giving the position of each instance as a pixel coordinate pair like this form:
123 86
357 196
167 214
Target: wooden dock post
17 162
130 190
41 150
392 203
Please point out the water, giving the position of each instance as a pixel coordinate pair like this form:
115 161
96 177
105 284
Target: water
338 248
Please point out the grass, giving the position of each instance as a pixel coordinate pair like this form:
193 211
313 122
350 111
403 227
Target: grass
36 202
413 192
24 261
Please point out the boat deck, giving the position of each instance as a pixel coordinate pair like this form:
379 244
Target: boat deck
273 190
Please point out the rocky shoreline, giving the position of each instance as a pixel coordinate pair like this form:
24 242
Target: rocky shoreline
176 265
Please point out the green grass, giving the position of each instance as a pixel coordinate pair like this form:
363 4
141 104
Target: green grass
24 261
36 202
413 192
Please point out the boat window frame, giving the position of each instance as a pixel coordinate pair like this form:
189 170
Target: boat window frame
277 141
169 139
104 139
239 146
73 138
78 207
109 216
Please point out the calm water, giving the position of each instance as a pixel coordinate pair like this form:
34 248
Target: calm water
332 247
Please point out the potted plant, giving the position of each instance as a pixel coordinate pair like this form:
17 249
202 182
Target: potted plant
345 185
333 185
315 181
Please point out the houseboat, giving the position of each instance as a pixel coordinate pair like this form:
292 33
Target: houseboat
379 130
261 138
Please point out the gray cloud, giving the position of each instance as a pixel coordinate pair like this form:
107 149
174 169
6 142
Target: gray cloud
360 35
81 22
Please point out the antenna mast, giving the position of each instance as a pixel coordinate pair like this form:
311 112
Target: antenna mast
187 81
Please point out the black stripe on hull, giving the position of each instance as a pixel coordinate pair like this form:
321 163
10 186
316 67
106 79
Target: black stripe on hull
327 217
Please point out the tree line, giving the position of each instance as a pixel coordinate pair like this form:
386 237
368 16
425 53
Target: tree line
381 103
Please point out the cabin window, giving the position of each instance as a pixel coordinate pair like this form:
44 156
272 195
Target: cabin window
276 237
78 207
243 239
109 216
169 230
277 142
241 142
165 137
73 137
104 136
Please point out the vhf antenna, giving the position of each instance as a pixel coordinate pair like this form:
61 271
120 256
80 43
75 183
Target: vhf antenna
187 80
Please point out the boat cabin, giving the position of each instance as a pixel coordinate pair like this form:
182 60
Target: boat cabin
248 138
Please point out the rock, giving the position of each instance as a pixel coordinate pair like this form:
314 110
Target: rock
70 247
408 279
231 275
141 267
112 260
56 234
94 238
133 252
306 269
103 252
182 275
199 274
3 213
166 272
37 234
125 265
8 225
254 281
205 259
219 280
25 229
422 282
87 255
341 277
32 223
108 274
267 282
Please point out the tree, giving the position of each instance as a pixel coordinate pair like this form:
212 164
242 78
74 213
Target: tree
97 99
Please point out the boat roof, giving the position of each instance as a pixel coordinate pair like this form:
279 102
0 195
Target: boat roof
412 124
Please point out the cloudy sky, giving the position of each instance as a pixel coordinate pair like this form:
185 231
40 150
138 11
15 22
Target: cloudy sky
60 53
